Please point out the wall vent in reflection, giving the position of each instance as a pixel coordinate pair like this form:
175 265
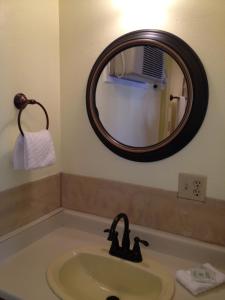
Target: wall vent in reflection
140 64
153 63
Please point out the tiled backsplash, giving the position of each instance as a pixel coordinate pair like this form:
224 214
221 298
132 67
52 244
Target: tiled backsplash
146 206
150 207
23 204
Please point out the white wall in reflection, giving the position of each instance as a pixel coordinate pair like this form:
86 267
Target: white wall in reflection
129 112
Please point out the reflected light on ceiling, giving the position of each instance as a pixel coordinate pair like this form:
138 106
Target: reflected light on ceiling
142 13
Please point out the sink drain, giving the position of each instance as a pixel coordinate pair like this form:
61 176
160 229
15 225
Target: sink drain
112 298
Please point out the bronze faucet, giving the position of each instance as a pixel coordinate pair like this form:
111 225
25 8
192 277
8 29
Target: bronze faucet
124 250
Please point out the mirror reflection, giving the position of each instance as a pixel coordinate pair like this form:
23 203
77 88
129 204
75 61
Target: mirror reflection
141 96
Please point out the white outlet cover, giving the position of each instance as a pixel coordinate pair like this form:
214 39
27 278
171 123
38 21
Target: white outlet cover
192 187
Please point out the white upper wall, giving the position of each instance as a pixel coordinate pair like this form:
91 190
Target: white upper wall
86 28
127 113
29 60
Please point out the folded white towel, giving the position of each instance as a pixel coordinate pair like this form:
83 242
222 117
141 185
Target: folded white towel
195 286
33 150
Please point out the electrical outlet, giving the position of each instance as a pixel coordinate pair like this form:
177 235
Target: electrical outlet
192 187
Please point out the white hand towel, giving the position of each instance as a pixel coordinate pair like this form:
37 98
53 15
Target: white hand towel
33 150
196 287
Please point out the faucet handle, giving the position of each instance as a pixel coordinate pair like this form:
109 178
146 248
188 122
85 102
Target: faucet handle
138 240
111 234
136 252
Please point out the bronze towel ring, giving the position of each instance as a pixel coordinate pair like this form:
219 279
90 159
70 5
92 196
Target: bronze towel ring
21 101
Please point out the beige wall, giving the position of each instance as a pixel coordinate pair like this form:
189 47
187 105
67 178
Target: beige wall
29 60
87 27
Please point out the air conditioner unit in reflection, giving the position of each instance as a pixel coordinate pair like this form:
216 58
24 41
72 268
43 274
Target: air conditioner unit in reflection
140 64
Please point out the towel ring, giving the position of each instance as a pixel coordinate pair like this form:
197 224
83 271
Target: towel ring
21 101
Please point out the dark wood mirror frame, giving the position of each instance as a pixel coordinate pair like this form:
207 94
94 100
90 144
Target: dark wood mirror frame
197 86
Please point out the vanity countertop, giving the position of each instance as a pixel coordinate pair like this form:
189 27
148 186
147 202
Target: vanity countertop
23 273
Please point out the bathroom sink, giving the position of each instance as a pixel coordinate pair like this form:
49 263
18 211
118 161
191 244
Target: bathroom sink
95 275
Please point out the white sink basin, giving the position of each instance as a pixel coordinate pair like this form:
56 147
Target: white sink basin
95 275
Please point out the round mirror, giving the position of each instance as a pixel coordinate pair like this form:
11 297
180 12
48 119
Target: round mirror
147 95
